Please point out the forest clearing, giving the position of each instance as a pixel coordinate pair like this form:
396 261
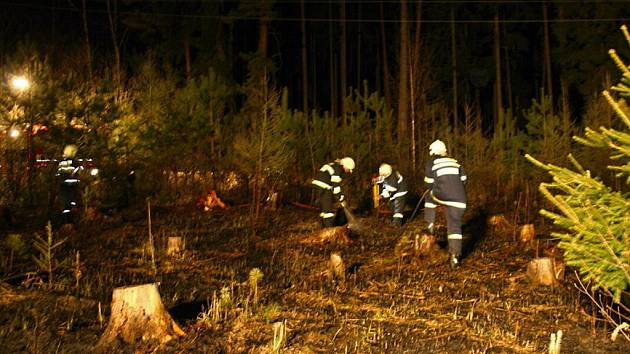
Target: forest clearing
389 301
314 176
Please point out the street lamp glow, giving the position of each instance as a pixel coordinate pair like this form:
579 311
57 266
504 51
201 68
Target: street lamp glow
14 133
20 83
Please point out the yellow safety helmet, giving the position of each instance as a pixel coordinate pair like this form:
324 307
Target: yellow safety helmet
437 148
347 163
70 151
385 170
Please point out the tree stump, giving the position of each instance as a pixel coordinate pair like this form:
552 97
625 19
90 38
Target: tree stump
336 235
137 314
545 271
527 234
419 247
337 269
175 246
272 201
499 223
424 244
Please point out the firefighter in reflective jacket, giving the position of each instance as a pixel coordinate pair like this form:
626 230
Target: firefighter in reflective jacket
445 179
68 173
328 182
392 186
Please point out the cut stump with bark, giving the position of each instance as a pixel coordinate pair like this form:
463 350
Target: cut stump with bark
499 223
337 269
175 246
527 234
419 246
545 271
335 235
137 314
425 244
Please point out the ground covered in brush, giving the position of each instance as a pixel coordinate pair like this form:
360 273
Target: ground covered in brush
388 302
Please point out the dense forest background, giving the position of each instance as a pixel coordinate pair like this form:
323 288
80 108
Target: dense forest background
248 97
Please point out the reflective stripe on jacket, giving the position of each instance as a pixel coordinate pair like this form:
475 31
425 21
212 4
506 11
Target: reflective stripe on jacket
68 171
329 177
392 186
445 177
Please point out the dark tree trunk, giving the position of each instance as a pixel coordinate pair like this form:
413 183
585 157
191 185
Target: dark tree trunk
497 61
403 82
547 75
333 69
112 28
88 50
343 74
304 61
454 70
386 76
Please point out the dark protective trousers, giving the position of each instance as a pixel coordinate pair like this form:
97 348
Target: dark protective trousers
397 206
326 204
68 198
453 223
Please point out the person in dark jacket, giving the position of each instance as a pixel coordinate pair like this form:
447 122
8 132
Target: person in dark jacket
393 187
328 182
445 179
68 172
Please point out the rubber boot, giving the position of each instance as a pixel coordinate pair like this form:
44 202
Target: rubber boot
328 222
455 263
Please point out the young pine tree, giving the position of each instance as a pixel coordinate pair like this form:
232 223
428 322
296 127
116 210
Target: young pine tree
595 217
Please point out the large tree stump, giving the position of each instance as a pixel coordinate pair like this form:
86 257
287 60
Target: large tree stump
138 315
545 271
175 246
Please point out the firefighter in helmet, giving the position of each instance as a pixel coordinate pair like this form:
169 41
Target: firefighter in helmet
393 187
328 182
68 173
445 179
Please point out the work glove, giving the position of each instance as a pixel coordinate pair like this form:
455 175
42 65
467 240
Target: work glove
341 198
385 193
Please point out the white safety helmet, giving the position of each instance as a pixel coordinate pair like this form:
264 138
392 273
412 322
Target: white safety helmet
385 170
70 151
437 148
347 163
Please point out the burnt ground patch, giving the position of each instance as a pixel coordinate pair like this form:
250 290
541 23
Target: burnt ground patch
384 304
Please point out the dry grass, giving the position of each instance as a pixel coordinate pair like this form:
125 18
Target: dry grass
386 304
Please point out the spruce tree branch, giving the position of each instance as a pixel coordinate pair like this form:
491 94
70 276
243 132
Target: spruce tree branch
617 109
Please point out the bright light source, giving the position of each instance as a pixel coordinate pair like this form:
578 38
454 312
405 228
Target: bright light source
94 171
14 133
20 83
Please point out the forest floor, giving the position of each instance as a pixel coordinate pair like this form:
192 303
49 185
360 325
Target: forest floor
386 303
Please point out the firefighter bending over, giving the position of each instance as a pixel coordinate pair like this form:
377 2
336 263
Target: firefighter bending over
328 182
393 187
445 179
68 173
